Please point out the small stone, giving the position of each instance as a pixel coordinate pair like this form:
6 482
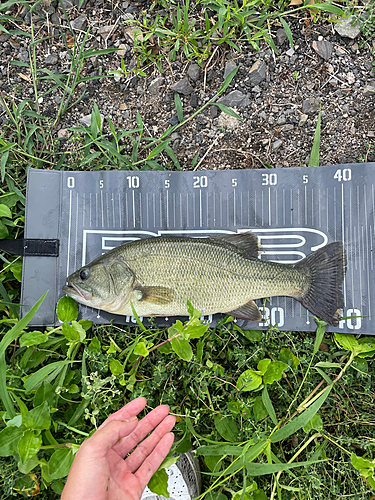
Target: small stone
194 100
340 51
262 115
323 48
355 47
40 100
51 60
183 87
228 122
132 32
194 72
276 144
310 106
175 136
156 85
80 23
63 133
287 127
345 28
302 120
350 77
122 106
257 72
290 52
104 31
140 90
256 89
67 4
281 36
57 99
174 120
230 66
214 111
281 120
122 50
369 91
235 99
86 120
371 133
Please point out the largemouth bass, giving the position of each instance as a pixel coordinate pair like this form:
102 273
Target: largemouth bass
220 274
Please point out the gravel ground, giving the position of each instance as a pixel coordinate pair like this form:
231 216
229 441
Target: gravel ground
278 96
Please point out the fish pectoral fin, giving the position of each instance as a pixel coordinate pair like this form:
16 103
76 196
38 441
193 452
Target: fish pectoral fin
246 242
248 311
160 295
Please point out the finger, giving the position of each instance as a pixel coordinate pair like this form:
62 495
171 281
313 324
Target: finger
106 437
144 427
129 410
146 447
151 464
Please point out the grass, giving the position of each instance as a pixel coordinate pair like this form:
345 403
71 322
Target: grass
231 390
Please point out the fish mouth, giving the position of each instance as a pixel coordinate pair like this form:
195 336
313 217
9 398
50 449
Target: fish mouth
76 292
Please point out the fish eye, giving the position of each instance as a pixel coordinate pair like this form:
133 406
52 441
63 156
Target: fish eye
84 274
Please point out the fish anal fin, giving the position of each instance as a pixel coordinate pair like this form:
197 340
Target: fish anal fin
247 311
247 242
160 295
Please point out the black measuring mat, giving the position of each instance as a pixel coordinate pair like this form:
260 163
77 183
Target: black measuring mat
293 211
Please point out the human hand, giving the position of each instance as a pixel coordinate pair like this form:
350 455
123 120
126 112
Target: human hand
99 471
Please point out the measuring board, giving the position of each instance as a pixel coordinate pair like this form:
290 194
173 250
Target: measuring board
293 212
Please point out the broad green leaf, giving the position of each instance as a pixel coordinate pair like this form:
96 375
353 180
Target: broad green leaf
268 405
253 335
66 309
116 367
141 349
249 380
274 372
5 211
60 463
33 338
240 494
213 463
298 422
286 356
263 365
29 445
94 345
69 332
362 464
16 269
327 364
9 438
315 423
226 427
168 461
38 418
3 231
80 330
158 484
165 348
259 410
15 421
327 7
28 466
37 377
86 324
44 393
182 348
263 469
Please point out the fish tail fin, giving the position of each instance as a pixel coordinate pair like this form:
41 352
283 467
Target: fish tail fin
326 270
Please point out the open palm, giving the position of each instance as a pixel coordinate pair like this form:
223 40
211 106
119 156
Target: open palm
100 470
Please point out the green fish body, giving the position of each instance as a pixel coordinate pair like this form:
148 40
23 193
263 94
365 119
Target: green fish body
217 275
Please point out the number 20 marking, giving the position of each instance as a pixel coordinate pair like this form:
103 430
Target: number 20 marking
200 182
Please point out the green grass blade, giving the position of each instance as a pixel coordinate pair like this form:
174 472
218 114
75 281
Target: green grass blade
263 469
37 377
288 31
228 111
10 336
178 104
314 157
268 404
297 423
4 395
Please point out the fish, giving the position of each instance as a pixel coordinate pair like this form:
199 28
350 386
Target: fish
219 274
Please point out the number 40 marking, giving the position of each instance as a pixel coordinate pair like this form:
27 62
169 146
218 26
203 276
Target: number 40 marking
343 175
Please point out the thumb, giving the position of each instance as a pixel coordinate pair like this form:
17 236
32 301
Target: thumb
106 437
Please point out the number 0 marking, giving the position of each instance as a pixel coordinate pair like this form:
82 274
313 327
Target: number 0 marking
71 182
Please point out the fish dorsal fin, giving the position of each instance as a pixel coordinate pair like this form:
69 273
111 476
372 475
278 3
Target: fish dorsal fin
248 311
246 242
160 295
